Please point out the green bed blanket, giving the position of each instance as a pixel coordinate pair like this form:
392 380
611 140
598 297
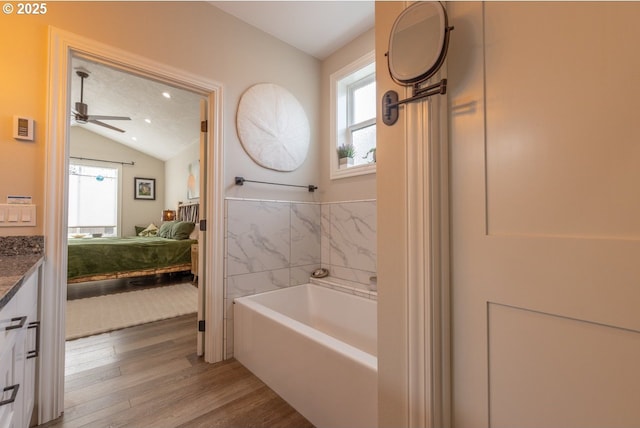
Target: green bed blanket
96 256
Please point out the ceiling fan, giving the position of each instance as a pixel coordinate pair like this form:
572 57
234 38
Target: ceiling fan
81 112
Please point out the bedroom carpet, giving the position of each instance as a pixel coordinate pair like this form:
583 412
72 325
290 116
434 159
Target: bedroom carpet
94 315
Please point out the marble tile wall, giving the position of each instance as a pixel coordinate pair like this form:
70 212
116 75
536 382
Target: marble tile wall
276 244
269 245
348 243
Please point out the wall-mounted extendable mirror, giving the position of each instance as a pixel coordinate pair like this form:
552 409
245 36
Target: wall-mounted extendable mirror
417 49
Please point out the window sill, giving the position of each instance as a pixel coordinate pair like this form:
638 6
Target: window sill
353 171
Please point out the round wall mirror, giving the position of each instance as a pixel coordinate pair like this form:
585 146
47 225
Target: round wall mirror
418 43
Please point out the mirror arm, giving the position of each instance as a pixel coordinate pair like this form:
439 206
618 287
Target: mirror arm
390 101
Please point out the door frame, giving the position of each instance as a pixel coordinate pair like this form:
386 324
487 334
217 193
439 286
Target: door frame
62 45
414 351
428 263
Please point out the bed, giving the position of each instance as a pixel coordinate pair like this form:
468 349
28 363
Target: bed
93 259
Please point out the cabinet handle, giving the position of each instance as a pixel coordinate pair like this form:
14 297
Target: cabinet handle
14 394
35 352
19 325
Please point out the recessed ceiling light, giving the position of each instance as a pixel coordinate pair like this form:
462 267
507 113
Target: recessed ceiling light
166 94
134 138
148 120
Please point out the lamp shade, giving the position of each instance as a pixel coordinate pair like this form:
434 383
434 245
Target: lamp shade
168 215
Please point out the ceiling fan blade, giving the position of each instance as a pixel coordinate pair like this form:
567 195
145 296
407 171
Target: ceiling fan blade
81 113
106 125
99 117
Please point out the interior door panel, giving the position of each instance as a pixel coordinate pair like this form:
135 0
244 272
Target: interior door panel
545 208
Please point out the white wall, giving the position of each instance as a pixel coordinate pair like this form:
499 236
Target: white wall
350 188
176 173
84 143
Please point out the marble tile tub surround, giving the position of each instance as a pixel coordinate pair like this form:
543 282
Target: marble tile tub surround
268 245
275 244
348 243
282 242
270 236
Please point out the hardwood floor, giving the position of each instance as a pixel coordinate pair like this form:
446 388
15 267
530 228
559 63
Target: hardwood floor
149 376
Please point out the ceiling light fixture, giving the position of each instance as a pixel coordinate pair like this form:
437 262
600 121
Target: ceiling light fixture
148 120
134 138
166 94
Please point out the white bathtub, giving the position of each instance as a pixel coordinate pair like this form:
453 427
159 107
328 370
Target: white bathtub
316 347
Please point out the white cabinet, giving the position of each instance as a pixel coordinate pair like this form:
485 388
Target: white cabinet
19 342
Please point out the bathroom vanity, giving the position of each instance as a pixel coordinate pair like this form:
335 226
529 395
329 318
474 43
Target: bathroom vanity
19 337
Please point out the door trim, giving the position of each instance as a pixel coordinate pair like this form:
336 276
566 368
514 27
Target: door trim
62 45
427 214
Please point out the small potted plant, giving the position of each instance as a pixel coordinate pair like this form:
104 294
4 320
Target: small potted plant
373 155
346 153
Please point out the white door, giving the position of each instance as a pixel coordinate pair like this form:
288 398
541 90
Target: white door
545 202
202 235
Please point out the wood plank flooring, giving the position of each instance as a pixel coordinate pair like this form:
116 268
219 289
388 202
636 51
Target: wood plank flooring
149 376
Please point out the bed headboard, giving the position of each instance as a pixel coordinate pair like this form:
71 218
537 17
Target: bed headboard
188 212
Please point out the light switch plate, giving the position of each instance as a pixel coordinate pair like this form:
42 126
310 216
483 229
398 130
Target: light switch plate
17 215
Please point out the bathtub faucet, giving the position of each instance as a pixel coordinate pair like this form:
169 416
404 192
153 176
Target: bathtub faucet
373 283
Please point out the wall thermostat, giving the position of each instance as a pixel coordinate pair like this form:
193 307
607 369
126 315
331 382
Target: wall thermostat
22 128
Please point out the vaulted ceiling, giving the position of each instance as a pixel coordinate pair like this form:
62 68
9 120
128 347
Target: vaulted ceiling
162 127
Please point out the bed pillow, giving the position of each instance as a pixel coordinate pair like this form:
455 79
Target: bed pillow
181 229
151 230
139 229
165 229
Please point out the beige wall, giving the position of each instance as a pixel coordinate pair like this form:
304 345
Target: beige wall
23 89
392 225
195 37
350 188
176 172
84 143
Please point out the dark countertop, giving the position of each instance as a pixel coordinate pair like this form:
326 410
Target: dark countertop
20 256
13 270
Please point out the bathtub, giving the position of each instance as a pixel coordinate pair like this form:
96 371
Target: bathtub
316 348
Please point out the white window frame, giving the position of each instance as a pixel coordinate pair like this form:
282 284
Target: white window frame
118 167
339 130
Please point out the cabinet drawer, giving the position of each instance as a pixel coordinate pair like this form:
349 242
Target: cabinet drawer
18 311
10 322
9 378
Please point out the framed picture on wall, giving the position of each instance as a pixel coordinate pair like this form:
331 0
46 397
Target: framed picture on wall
144 188
193 180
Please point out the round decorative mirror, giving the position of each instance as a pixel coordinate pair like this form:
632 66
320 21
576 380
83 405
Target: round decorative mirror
418 42
273 127
417 49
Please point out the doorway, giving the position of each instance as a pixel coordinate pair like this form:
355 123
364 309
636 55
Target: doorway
120 272
63 47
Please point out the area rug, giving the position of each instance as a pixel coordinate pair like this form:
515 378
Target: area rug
94 315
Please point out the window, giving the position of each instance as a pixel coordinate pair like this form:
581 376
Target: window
361 111
93 199
353 117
